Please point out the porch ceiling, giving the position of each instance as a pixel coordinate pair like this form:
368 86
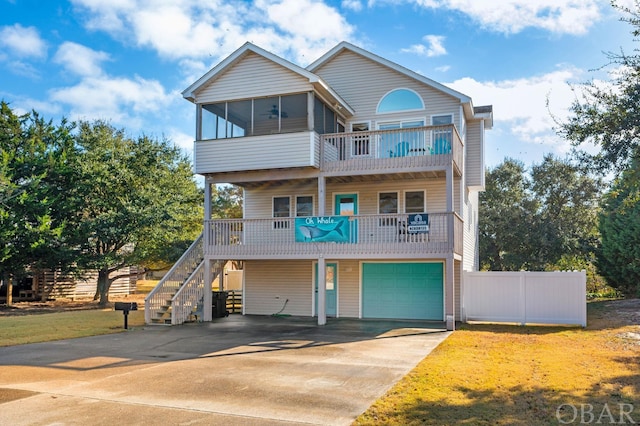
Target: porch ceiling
277 180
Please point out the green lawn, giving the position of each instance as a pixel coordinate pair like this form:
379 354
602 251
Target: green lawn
34 328
511 375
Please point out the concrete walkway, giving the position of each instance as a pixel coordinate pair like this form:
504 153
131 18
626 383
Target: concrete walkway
234 371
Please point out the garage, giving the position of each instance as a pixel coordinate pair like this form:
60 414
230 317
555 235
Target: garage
403 290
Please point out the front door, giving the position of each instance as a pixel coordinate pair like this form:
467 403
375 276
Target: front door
331 289
347 205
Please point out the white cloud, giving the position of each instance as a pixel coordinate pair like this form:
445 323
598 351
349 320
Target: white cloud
520 106
355 5
80 59
122 101
298 29
513 16
434 47
311 27
24 42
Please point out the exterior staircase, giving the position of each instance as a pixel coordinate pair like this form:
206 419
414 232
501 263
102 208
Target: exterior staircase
180 293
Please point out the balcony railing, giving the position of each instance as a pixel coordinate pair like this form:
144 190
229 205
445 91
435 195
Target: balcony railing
373 236
427 146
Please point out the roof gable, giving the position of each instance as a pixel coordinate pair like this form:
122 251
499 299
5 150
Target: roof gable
464 99
248 49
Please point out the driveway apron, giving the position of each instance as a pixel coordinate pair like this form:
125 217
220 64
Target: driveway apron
240 370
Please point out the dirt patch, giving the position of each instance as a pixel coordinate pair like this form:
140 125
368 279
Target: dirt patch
63 305
627 310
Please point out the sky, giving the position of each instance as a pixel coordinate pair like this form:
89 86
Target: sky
127 61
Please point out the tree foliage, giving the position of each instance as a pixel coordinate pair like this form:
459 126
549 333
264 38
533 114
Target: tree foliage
226 202
608 114
35 173
619 258
85 197
532 220
141 205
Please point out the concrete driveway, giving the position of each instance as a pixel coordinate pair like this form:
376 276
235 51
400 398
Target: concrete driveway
238 370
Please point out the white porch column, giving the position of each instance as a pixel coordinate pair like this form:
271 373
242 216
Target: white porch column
450 294
449 287
208 271
322 288
321 195
207 302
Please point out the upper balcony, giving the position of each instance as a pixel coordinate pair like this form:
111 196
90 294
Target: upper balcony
415 149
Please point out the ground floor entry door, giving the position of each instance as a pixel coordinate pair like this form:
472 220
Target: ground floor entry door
331 289
403 290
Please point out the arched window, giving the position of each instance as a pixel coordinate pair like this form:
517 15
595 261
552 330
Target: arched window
400 100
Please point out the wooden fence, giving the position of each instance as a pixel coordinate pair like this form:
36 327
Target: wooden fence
525 297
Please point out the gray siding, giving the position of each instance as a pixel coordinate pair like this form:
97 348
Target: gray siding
348 288
255 153
258 202
252 77
362 83
269 283
474 160
470 251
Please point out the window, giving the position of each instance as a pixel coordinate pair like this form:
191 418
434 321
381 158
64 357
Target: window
304 205
414 202
324 118
441 120
400 100
219 121
249 117
388 204
360 143
404 143
441 138
281 208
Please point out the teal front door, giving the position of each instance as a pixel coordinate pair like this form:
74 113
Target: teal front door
331 289
347 205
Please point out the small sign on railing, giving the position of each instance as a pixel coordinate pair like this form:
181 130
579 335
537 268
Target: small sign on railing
418 223
322 229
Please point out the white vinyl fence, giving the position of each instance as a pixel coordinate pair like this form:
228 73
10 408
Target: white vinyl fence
525 297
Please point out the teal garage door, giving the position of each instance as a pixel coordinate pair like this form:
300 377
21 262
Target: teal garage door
402 291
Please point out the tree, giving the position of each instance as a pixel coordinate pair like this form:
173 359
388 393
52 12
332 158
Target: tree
506 217
35 172
608 114
619 259
569 197
532 221
226 202
141 205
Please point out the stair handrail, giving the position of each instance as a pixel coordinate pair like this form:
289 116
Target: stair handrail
173 279
190 294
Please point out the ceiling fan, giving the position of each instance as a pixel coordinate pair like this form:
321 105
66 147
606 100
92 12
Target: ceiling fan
274 113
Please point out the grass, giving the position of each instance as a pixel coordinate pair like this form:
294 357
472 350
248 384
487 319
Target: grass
35 328
510 375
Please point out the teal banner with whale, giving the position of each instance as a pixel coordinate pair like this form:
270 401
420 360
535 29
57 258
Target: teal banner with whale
315 229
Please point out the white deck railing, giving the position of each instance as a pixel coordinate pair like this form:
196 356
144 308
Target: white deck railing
189 298
427 146
159 299
370 236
